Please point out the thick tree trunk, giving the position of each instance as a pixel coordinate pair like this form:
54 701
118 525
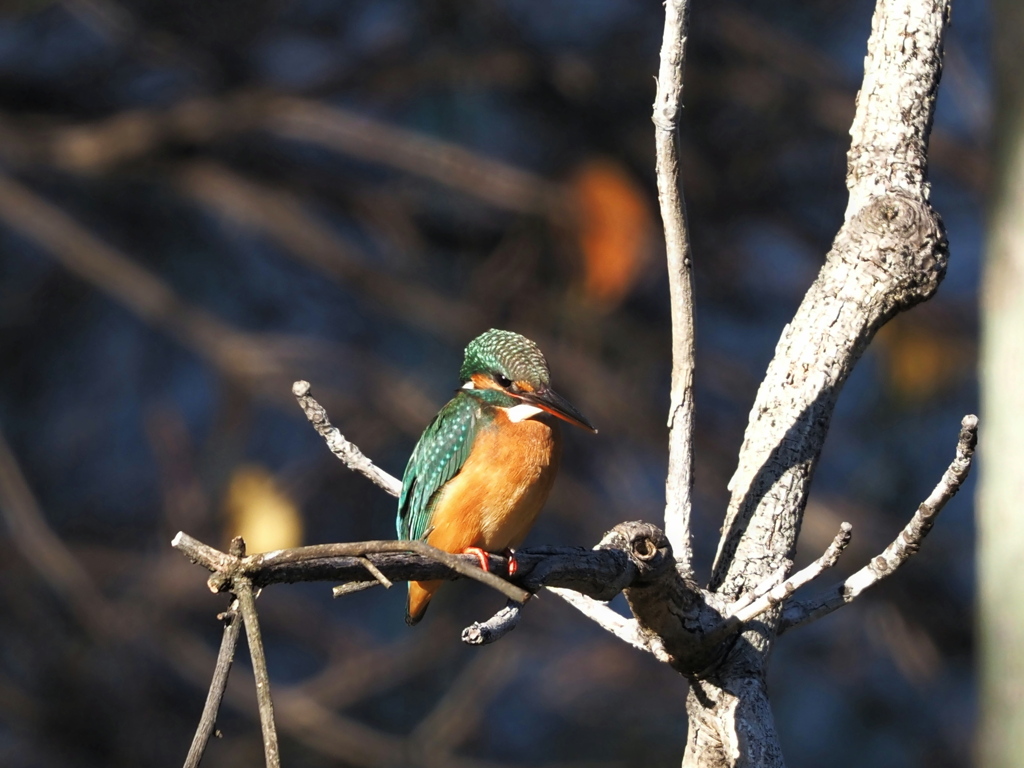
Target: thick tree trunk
1000 524
889 255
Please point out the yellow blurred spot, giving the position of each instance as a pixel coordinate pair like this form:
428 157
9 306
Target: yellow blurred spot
615 230
260 512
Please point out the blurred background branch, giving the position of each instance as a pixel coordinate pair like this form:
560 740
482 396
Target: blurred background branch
202 203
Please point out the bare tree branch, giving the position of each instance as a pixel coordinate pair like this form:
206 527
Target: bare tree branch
900 550
383 580
334 561
247 607
132 134
751 606
889 255
496 627
668 107
348 452
673 614
286 218
226 655
113 273
781 592
352 586
46 553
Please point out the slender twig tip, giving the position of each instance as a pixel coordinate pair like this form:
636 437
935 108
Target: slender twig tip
300 388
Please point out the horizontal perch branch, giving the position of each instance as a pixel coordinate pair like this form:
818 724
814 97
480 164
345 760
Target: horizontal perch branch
598 573
633 557
395 560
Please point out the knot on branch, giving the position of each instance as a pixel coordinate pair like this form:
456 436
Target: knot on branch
673 614
905 237
646 545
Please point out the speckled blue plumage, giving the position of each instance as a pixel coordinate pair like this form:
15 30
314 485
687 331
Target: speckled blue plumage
439 455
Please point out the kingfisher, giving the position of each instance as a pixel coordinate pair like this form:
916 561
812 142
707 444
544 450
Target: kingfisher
484 466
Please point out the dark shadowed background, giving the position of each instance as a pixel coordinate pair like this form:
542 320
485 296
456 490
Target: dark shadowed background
201 202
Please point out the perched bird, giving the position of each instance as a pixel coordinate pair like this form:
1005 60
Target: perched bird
484 466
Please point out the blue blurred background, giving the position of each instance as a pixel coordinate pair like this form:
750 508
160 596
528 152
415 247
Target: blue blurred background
203 202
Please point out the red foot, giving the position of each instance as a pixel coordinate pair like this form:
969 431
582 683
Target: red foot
513 564
481 556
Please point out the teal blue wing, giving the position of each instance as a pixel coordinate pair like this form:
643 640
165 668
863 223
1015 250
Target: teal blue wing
437 458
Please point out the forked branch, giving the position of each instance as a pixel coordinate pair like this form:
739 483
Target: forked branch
906 544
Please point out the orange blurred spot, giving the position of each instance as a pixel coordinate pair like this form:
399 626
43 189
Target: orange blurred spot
920 362
615 230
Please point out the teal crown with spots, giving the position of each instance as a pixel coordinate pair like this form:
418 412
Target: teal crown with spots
513 356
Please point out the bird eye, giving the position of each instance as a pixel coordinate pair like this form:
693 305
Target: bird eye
503 381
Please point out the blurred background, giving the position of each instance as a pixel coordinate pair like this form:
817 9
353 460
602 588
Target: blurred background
201 202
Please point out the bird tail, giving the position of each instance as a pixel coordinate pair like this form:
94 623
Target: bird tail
420 593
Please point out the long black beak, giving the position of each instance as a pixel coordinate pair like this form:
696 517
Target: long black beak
556 405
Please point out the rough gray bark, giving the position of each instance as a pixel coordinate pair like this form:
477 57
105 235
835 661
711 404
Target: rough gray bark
668 107
889 255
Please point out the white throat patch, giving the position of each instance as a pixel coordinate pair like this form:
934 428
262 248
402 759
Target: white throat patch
521 412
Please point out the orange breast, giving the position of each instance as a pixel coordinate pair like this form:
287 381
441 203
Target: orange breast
494 500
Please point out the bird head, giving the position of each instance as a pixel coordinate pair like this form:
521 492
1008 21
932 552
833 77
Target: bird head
514 365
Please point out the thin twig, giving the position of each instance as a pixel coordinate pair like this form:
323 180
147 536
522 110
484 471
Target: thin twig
353 586
906 544
496 627
745 609
202 554
780 592
226 655
340 447
667 110
761 589
247 607
373 569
